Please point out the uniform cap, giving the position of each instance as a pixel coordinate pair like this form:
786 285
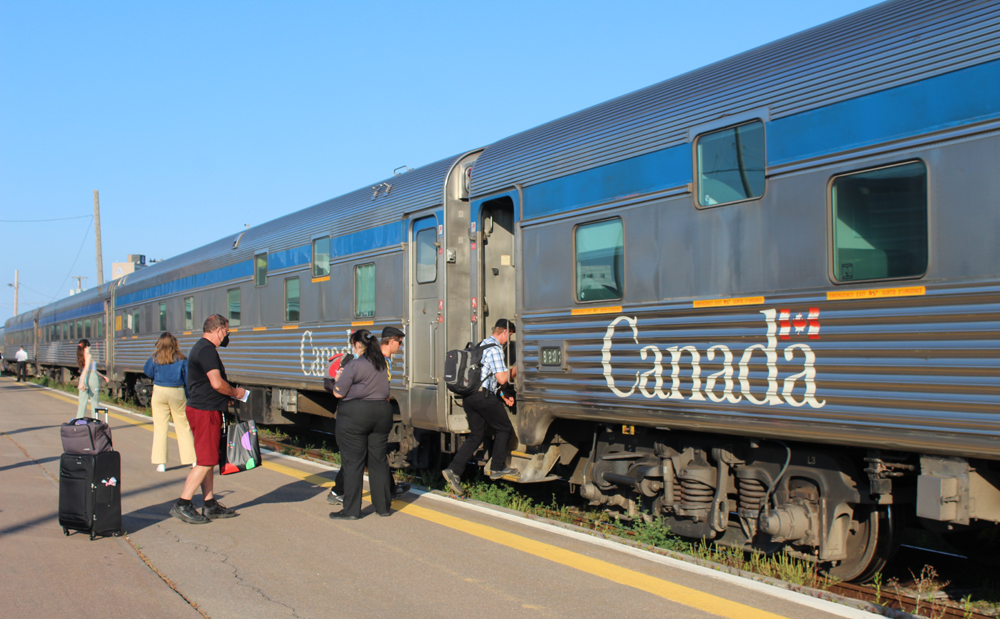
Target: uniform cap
392 332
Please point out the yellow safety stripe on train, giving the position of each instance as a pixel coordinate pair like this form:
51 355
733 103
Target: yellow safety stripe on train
590 311
260 328
187 333
729 302
290 327
876 293
321 279
363 323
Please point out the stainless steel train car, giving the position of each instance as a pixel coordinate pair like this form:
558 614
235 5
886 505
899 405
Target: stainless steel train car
760 300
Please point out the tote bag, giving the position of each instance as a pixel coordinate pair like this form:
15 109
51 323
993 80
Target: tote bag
239 450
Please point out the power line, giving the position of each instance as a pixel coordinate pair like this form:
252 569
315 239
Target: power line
34 221
85 235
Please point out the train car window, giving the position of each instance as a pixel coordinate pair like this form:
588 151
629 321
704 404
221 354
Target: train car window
260 270
880 223
86 328
292 299
233 303
100 327
65 332
79 329
364 291
163 317
426 255
731 164
188 313
600 261
72 330
321 257
135 323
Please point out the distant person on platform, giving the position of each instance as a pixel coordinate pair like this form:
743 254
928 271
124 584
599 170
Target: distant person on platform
21 358
90 379
168 369
208 398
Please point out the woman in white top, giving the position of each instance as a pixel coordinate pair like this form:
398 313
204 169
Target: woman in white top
89 385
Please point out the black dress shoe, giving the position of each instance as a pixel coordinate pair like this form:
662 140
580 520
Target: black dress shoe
386 514
342 516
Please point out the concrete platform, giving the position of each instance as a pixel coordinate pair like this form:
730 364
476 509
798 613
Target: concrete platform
283 556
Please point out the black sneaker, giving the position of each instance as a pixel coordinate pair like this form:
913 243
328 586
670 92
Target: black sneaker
218 511
334 499
401 489
188 514
454 481
507 472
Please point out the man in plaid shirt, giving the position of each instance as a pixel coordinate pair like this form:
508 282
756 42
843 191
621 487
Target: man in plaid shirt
485 408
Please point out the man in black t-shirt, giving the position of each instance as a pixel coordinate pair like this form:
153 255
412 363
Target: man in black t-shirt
209 394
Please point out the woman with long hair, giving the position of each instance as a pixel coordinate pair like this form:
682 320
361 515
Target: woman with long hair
168 369
364 419
89 384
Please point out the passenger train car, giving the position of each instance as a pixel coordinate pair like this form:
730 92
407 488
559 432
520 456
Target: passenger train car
760 300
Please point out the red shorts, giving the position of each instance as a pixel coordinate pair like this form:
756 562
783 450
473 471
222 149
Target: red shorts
207 429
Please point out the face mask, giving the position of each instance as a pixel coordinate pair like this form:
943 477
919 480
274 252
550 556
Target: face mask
224 342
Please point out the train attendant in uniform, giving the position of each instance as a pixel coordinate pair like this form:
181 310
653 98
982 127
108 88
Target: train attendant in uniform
168 369
208 393
364 419
484 407
392 339
21 358
90 379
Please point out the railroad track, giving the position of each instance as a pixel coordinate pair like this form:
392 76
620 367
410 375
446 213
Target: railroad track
910 561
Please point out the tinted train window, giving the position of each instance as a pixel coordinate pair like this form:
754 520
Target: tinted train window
135 322
100 327
260 270
426 255
163 317
292 299
86 328
731 164
364 291
233 303
600 261
188 313
79 329
880 223
321 257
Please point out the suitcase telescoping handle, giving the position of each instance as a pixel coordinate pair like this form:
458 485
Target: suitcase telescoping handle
97 413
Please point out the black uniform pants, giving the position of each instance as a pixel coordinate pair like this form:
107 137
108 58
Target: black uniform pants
483 408
363 435
21 365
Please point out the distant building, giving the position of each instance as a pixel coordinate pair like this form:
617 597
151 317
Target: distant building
133 263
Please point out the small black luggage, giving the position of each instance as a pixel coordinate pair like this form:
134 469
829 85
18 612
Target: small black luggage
90 496
87 436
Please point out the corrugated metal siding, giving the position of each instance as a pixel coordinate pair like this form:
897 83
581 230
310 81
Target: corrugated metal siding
918 373
889 45
415 190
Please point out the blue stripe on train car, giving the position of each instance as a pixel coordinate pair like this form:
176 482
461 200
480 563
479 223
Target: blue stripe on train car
86 310
215 276
366 240
961 97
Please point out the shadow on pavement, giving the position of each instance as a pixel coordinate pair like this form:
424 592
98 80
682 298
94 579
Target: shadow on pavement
295 492
9 432
27 463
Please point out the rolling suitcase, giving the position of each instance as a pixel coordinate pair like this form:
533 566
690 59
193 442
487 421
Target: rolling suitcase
90 496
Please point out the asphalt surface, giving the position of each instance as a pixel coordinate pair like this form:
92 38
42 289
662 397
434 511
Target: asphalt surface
283 557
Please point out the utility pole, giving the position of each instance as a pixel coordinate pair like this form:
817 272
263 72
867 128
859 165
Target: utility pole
79 282
97 239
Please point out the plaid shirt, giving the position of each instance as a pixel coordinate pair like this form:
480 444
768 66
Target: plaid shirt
493 363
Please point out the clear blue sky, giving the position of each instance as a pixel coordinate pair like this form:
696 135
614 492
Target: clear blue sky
195 118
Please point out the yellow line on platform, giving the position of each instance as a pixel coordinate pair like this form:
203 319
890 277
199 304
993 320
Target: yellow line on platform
595 567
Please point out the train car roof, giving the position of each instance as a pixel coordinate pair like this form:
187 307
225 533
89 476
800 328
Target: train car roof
888 45
358 210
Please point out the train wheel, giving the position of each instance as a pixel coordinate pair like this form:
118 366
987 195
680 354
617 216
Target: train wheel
873 539
144 391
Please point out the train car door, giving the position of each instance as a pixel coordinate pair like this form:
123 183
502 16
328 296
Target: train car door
498 270
423 343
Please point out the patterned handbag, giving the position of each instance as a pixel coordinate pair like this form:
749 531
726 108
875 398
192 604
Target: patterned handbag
239 450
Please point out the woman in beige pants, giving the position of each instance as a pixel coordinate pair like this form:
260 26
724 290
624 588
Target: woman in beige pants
168 369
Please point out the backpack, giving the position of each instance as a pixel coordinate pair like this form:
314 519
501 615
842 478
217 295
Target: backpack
463 369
